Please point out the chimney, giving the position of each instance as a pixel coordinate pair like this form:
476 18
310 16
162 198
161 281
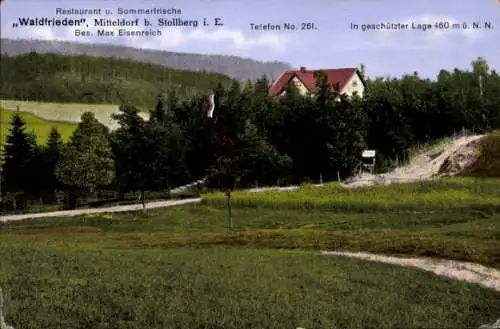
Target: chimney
302 69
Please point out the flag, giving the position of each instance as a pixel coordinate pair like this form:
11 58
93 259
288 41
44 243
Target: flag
211 104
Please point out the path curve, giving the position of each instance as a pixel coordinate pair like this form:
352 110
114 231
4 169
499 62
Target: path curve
79 212
464 271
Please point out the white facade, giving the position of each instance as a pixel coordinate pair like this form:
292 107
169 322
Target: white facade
299 85
354 85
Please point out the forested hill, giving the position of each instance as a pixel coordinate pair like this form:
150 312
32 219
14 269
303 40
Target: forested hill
86 79
232 66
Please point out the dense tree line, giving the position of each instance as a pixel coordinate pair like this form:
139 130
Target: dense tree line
253 138
238 68
86 79
411 110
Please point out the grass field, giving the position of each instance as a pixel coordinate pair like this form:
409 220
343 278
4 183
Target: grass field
218 287
40 126
182 268
468 235
63 112
452 194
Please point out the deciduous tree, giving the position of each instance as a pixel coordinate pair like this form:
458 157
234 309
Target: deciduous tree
86 162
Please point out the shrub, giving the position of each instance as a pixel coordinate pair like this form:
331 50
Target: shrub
488 162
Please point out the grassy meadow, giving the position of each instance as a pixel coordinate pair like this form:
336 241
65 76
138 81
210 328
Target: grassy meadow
40 126
449 194
182 268
62 113
216 287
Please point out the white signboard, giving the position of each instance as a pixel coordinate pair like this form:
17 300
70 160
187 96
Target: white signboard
368 154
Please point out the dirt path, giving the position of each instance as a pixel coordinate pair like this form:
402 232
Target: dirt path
470 272
79 212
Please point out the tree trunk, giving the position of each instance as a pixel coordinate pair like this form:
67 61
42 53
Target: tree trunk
143 199
72 200
228 194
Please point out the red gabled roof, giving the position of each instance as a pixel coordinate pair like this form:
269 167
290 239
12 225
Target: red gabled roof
338 78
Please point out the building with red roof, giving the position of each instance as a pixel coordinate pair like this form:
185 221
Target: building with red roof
344 81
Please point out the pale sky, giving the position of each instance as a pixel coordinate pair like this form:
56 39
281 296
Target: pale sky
333 44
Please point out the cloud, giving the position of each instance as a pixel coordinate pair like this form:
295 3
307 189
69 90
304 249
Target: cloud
224 37
208 39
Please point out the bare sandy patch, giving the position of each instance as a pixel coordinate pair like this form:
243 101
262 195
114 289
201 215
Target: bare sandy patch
464 271
445 159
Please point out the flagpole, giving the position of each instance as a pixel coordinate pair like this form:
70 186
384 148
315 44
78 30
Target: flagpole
211 104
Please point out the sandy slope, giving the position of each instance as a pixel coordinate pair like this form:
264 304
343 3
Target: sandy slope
447 158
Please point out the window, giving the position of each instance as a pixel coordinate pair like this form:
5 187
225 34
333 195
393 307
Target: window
354 83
